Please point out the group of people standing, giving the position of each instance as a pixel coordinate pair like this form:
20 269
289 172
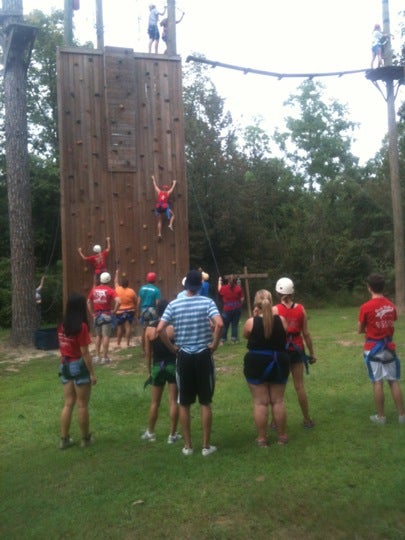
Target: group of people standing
179 342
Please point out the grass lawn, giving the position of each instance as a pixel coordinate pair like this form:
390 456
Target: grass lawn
345 479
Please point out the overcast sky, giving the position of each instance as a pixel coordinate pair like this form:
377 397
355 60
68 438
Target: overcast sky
286 36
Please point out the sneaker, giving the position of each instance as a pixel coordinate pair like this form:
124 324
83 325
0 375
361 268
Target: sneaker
173 438
105 361
96 359
66 442
309 424
401 418
378 419
87 441
207 451
187 451
147 436
171 227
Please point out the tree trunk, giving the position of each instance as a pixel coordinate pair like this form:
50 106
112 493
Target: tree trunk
24 314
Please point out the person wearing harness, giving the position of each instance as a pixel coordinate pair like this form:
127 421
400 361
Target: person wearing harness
76 369
232 299
102 304
266 366
126 310
163 206
376 320
162 370
98 260
148 297
297 334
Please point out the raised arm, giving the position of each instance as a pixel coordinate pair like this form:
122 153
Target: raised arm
81 253
172 187
155 185
108 244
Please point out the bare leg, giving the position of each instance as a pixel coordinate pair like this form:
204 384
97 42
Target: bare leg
206 420
106 344
83 392
174 408
378 392
278 404
97 343
66 415
157 392
159 225
127 326
119 334
261 401
396 393
297 372
185 420
171 220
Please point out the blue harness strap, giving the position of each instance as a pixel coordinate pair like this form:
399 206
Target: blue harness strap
269 367
305 358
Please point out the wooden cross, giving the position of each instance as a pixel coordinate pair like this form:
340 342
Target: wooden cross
246 276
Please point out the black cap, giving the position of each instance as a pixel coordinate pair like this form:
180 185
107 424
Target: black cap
193 280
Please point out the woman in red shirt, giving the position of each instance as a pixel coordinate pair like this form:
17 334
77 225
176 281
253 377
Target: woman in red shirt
76 369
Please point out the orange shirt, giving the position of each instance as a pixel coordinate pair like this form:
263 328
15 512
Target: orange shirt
128 298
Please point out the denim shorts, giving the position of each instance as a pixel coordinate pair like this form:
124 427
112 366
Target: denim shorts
75 371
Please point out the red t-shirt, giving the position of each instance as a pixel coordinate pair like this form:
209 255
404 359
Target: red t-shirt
295 321
98 261
102 298
232 297
378 316
69 346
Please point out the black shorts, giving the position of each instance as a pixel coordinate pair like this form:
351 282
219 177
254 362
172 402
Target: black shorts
195 375
266 368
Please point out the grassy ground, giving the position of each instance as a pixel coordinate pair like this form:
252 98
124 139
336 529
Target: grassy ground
342 480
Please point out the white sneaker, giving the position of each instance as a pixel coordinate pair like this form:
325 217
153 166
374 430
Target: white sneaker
147 436
96 359
207 451
173 438
187 451
378 419
401 418
105 361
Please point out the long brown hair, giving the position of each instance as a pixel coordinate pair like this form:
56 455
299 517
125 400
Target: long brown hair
264 301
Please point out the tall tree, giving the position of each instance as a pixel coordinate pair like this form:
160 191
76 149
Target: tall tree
17 41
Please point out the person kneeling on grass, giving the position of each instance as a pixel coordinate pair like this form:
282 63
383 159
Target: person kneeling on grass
376 320
76 369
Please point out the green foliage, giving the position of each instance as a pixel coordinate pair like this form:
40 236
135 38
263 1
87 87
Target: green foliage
321 485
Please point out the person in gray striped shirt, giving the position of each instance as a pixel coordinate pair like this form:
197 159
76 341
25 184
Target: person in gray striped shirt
197 330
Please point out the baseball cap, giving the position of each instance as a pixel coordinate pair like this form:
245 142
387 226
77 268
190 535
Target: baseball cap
193 280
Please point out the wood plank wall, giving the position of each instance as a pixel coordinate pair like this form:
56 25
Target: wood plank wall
120 121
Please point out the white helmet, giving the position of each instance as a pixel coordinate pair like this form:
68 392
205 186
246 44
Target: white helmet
97 249
105 277
285 286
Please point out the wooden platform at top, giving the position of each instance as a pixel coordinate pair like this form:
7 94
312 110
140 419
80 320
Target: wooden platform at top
387 73
120 121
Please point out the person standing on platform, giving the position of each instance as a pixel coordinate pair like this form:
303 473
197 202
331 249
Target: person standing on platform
153 30
232 299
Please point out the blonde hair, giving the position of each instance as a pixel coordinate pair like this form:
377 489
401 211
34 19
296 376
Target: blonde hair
264 302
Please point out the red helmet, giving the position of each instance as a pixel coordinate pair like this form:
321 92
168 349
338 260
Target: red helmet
151 277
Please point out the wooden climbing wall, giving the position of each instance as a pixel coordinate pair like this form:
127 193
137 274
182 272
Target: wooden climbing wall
120 121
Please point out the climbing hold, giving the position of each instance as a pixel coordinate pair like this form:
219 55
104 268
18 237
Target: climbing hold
145 248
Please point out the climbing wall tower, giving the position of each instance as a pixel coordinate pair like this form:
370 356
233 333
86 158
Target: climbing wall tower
120 121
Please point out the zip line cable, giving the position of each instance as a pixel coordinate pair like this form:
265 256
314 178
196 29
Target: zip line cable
278 76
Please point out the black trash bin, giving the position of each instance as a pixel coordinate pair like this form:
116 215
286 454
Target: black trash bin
46 339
